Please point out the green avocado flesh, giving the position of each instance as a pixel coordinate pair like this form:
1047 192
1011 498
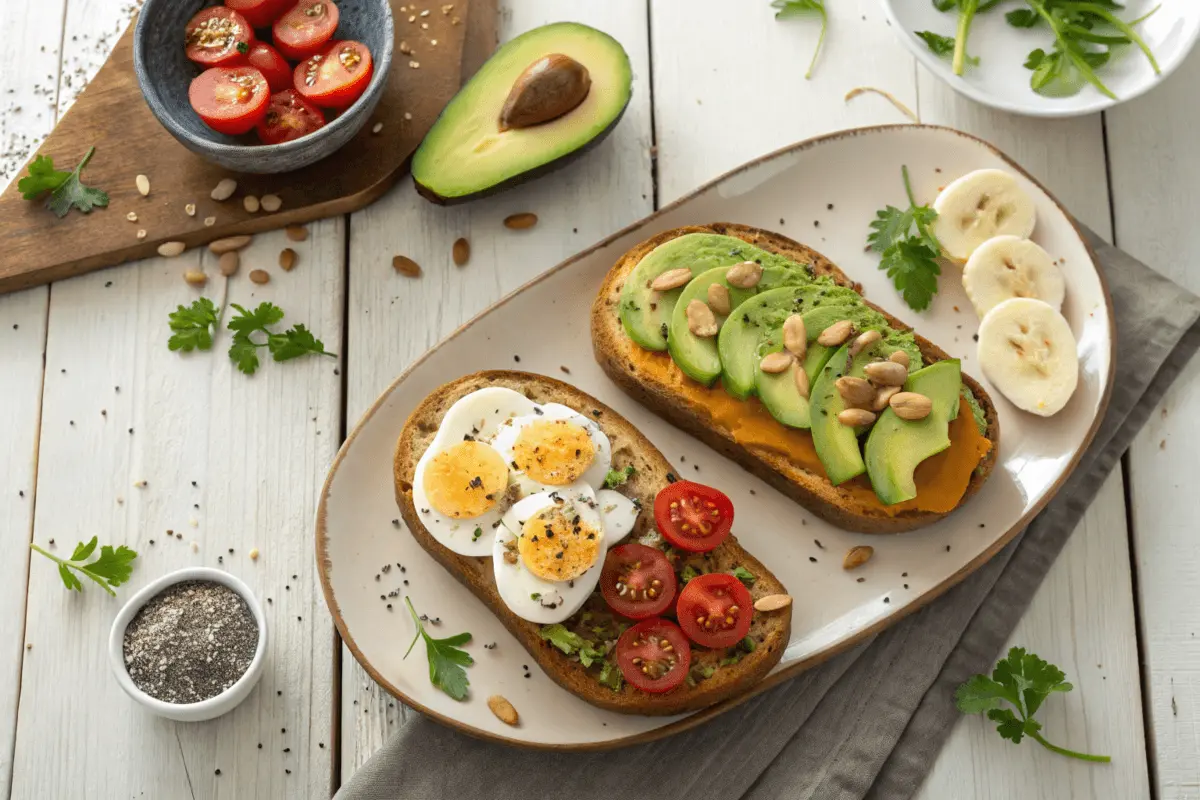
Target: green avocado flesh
647 317
466 154
895 446
754 328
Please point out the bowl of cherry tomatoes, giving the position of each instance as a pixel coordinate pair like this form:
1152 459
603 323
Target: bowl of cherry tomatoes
263 86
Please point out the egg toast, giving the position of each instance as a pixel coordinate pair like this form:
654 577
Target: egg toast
732 410
713 675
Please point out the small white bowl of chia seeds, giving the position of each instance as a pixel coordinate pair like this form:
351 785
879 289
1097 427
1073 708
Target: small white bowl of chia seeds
191 645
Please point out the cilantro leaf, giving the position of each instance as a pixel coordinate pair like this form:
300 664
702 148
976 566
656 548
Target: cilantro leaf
111 569
786 9
293 343
191 326
744 575
909 256
42 178
244 353
446 661
616 477
71 192
1022 680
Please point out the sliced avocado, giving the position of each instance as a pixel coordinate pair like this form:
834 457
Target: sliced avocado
466 154
755 326
646 314
696 356
895 446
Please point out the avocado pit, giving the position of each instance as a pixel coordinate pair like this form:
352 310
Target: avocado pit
549 88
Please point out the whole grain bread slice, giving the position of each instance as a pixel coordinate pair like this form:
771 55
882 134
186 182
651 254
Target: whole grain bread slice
613 347
770 631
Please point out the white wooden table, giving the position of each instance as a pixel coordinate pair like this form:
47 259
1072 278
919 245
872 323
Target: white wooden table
91 402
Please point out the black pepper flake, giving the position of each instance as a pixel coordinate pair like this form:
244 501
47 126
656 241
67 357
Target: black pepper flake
321 745
217 772
813 559
287 749
947 548
260 745
887 599
829 206
671 477
817 542
395 523
193 483
860 580
906 586
283 730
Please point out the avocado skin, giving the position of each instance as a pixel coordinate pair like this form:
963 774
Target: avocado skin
517 180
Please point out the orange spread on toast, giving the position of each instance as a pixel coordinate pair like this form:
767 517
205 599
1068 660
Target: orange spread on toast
941 479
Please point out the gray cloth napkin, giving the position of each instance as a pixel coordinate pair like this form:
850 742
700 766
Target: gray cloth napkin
869 723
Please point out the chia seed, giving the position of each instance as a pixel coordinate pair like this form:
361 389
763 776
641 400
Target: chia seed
190 642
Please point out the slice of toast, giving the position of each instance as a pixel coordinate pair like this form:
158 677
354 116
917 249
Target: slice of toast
769 631
613 347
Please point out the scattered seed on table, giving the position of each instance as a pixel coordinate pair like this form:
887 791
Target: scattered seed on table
405 48
229 244
131 216
406 266
228 263
141 234
260 276
461 251
143 185
520 222
254 554
171 249
190 209
297 233
210 221
287 259
408 115
224 189
271 203
195 277
251 203
376 128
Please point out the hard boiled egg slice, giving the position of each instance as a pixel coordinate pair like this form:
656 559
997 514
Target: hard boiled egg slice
619 514
554 446
548 553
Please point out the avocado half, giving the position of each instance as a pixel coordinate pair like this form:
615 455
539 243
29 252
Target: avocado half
466 155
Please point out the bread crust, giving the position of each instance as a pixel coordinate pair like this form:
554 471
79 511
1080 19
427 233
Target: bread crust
612 348
630 447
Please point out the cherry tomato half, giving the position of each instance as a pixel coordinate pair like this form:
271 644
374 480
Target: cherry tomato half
637 581
305 28
654 655
692 516
230 100
271 64
289 116
335 77
715 610
259 13
218 36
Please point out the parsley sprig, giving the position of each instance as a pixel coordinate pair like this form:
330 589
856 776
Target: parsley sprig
1024 681
192 326
112 568
446 661
786 9
909 256
66 189
292 343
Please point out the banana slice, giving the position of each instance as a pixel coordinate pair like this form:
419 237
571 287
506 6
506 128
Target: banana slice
1009 266
978 206
1027 351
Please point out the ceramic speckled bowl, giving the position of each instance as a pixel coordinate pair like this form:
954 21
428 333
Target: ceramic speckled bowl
164 74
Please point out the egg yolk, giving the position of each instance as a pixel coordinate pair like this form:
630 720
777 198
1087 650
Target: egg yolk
554 452
465 480
556 546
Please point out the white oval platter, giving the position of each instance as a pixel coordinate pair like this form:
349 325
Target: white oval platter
823 192
1001 80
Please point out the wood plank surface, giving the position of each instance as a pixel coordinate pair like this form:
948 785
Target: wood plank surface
1155 172
393 319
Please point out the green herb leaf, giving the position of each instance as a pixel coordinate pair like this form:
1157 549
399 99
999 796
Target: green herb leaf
744 575
72 193
909 256
293 343
1022 18
617 477
1023 681
610 676
42 178
446 660
566 640
688 573
111 569
941 46
191 327
786 9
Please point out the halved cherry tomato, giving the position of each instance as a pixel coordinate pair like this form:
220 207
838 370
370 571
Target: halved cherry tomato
692 516
336 77
654 655
637 581
230 100
289 116
271 64
259 13
306 28
217 37
715 610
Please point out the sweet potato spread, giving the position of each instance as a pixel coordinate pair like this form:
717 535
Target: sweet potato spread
941 479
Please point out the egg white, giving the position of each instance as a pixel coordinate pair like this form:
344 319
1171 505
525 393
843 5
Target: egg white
478 415
619 514
593 476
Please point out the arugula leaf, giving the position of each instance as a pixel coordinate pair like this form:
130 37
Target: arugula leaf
446 660
616 477
909 258
72 193
943 46
1024 681
566 640
111 569
191 326
787 9
744 575
293 343
42 178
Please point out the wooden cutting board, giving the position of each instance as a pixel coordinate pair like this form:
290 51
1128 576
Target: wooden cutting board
38 248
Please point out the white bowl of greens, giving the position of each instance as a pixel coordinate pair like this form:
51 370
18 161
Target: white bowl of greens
1079 70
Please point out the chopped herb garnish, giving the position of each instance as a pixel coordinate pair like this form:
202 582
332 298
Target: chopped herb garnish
446 660
744 575
617 477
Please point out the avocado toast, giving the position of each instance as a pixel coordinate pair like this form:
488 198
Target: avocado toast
724 372
578 652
